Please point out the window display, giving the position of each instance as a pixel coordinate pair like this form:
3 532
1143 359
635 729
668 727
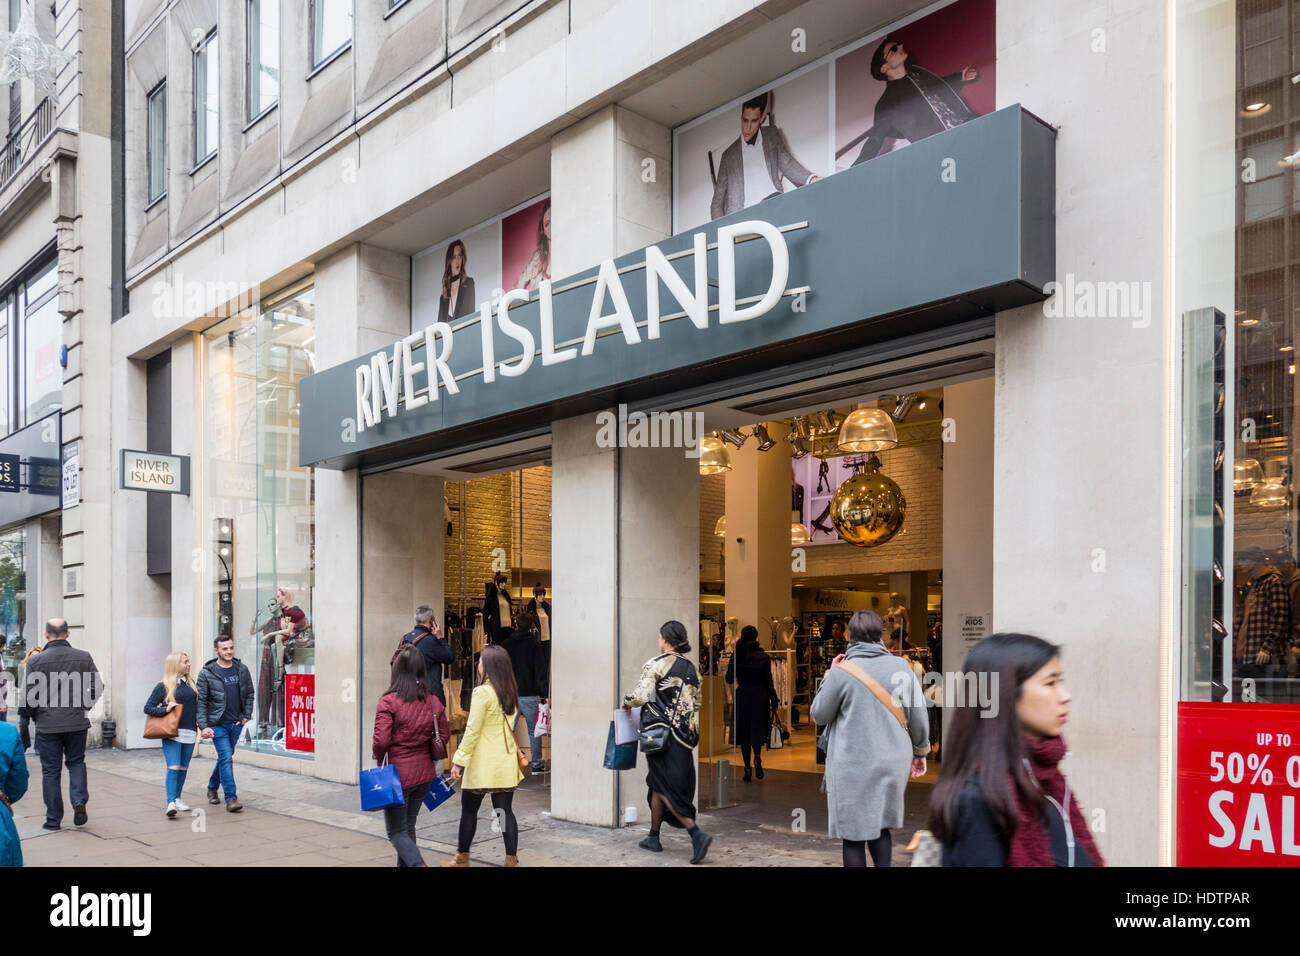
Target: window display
261 512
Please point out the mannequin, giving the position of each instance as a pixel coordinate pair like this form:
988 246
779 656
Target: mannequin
733 633
280 635
498 608
540 609
897 623
783 637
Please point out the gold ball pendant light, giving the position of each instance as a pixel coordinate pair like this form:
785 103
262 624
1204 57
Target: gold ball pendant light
869 508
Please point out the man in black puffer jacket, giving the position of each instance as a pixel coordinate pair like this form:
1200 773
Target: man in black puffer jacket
225 690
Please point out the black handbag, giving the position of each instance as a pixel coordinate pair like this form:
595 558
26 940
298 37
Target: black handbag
654 738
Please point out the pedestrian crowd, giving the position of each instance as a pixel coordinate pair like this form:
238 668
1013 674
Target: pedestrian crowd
1000 798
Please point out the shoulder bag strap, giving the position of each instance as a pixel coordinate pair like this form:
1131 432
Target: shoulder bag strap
882 695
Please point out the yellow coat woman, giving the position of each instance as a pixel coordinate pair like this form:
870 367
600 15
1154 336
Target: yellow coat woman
488 757
487 750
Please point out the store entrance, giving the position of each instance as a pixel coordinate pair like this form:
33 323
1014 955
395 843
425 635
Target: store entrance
841 498
470 537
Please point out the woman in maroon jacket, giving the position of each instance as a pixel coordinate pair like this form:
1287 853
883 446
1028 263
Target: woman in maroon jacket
411 731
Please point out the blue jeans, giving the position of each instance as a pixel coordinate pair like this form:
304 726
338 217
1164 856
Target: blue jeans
224 738
55 750
528 706
176 754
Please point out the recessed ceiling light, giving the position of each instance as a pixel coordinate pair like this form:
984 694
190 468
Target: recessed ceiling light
1287 348
1256 107
1249 322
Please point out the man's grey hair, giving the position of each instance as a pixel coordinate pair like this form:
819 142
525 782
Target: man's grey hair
424 615
865 626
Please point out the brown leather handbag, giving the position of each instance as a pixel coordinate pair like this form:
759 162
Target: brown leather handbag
166 726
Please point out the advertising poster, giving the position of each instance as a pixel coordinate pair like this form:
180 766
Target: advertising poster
925 74
772 141
449 280
526 246
453 277
914 81
820 478
300 713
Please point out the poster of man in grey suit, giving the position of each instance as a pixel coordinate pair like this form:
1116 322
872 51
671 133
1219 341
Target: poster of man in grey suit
758 164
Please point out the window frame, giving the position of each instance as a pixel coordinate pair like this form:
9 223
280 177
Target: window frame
157 94
315 65
198 110
253 65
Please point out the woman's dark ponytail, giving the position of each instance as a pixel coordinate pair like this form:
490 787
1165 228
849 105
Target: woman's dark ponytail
674 632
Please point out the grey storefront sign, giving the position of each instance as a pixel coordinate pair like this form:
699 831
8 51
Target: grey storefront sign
29 460
150 471
956 227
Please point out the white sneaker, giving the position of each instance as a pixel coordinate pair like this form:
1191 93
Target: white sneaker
171 809
181 805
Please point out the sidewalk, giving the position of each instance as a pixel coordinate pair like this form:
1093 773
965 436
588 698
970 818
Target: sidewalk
295 820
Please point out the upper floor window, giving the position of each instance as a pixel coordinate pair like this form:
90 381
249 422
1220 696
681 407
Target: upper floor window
207 90
331 28
31 333
263 56
156 146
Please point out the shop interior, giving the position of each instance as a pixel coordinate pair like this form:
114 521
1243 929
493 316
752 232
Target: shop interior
832 502
864 532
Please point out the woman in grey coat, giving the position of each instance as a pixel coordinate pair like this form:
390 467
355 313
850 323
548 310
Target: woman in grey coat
867 750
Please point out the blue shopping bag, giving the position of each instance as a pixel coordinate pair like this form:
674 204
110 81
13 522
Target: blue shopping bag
440 791
380 787
619 756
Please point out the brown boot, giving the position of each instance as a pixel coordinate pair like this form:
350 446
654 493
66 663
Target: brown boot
512 860
460 859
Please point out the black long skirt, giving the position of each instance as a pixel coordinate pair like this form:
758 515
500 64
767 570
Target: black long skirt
672 774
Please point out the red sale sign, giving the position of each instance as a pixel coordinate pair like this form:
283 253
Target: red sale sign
1238 784
300 712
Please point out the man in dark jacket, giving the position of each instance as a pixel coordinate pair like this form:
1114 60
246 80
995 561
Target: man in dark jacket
225 689
62 684
528 660
428 638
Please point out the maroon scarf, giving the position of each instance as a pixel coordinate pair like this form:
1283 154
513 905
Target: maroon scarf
1031 843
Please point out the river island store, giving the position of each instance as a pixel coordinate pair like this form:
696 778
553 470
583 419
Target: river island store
723 328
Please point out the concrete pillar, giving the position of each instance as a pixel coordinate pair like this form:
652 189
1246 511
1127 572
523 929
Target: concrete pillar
1074 425
605 199
402 553
611 590
362 302
633 566
967 518
758 576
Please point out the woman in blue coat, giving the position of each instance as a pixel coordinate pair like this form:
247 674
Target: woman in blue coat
13 781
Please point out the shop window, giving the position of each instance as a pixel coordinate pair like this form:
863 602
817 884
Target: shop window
260 512
42 339
207 92
156 148
263 64
331 29
13 600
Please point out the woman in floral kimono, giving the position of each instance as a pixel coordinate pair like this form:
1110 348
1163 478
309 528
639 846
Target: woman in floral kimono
668 694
